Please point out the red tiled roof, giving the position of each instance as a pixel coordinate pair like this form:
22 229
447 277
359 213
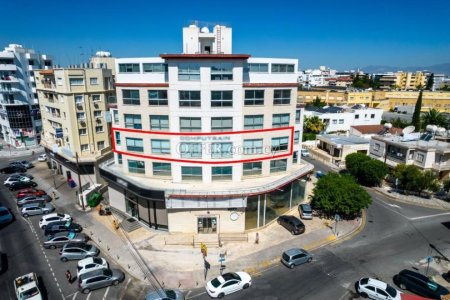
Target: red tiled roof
374 129
46 72
270 84
141 84
205 56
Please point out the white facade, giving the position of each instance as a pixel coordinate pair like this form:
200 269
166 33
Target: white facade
316 77
20 122
204 40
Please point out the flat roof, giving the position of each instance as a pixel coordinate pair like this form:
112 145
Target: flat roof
205 56
417 144
343 140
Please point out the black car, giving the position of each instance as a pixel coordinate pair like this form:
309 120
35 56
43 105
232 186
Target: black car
66 226
21 185
13 169
291 223
419 284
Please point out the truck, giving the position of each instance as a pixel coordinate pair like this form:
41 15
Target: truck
27 287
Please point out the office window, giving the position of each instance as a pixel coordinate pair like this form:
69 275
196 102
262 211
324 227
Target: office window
191 150
221 124
221 173
78 99
129 68
162 169
81 116
76 81
82 131
222 71
297 117
100 145
157 97
154 67
295 157
280 120
253 122
189 98
254 146
136 166
341 121
133 121
99 129
84 147
376 147
159 122
420 157
115 113
96 98
221 98
93 80
160 146
252 168
117 137
190 124
59 81
97 113
134 144
191 173
119 158
280 144
221 150
334 121
279 165
281 97
189 71
254 97
131 97
282 68
372 116
258 68
297 137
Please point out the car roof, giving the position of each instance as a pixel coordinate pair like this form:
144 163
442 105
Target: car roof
414 274
377 283
92 273
294 251
75 245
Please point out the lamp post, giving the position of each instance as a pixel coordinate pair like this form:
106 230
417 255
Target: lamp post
80 189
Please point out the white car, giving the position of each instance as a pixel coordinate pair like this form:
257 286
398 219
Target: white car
12 179
376 289
52 218
228 283
90 264
42 157
304 152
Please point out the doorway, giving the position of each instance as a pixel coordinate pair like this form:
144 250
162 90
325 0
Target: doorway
207 225
131 208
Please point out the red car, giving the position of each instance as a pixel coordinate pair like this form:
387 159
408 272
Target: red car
30 192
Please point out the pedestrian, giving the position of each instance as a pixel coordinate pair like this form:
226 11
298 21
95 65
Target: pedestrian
69 276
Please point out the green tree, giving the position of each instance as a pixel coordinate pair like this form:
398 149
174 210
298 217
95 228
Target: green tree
362 82
434 117
354 162
366 170
428 181
318 103
411 178
446 185
313 124
416 115
339 194
430 82
399 123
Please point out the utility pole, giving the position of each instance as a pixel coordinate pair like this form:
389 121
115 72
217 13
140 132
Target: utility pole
80 189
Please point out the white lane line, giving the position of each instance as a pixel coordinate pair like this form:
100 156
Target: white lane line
430 216
89 296
74 295
195 296
106 293
386 205
125 288
394 205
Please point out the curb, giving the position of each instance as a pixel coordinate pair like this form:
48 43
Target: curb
387 195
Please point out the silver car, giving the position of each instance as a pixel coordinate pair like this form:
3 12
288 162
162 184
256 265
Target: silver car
33 199
71 251
61 238
294 257
36 209
98 279
165 294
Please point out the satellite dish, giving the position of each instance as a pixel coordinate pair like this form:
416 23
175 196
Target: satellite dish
387 125
205 30
408 130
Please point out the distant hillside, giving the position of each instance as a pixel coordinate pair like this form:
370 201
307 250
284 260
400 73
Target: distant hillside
439 68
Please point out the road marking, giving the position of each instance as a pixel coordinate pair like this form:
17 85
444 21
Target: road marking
429 216
343 296
386 205
195 296
393 205
106 292
89 296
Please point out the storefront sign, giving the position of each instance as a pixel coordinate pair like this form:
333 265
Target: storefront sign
205 138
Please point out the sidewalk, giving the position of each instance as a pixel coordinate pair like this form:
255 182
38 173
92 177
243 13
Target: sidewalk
11 151
183 266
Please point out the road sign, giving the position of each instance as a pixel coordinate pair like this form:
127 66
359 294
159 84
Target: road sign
221 259
429 259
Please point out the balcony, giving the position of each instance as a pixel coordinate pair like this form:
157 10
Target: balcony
10 90
48 85
8 79
8 67
443 166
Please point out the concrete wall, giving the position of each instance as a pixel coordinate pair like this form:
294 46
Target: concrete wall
116 199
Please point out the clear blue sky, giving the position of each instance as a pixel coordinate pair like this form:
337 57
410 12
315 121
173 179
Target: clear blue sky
341 34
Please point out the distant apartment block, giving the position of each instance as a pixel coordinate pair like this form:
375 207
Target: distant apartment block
403 80
20 118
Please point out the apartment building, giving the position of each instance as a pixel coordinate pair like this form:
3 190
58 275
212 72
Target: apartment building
75 116
206 141
20 119
439 100
337 98
403 80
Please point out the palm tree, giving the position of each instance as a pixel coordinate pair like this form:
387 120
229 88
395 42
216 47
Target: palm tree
313 124
434 117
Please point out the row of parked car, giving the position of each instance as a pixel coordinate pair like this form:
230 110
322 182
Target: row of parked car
20 166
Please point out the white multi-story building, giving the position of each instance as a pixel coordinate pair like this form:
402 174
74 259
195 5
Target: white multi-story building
316 77
20 119
206 143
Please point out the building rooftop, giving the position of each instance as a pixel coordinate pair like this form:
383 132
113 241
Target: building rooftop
343 140
205 56
431 145
376 129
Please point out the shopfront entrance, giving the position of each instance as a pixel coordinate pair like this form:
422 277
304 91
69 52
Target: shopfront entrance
207 225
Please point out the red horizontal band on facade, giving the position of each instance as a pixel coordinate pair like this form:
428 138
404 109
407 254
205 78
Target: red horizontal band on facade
204 162
205 56
141 85
270 84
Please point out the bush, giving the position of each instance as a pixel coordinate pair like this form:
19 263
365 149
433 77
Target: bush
366 170
309 137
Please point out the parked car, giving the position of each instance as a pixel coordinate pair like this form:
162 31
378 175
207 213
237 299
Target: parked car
294 257
11 180
228 283
13 169
99 279
23 175
37 209
46 220
42 157
419 284
65 226
91 264
30 192
72 251
61 238
291 223
22 163
33 199
376 289
165 295
27 287
21 184
5 216
305 211
304 152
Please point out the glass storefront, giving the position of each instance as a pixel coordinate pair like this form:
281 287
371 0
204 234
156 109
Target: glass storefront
261 209
149 211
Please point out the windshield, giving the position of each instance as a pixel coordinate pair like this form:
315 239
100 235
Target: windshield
170 294
29 293
391 291
215 282
97 260
307 208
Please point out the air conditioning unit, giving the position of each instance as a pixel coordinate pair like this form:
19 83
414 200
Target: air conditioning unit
83 123
98 119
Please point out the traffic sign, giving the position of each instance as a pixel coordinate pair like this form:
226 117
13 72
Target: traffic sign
429 259
221 259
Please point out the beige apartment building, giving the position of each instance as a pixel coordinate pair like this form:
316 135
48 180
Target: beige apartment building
75 119
438 100
403 80
336 98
